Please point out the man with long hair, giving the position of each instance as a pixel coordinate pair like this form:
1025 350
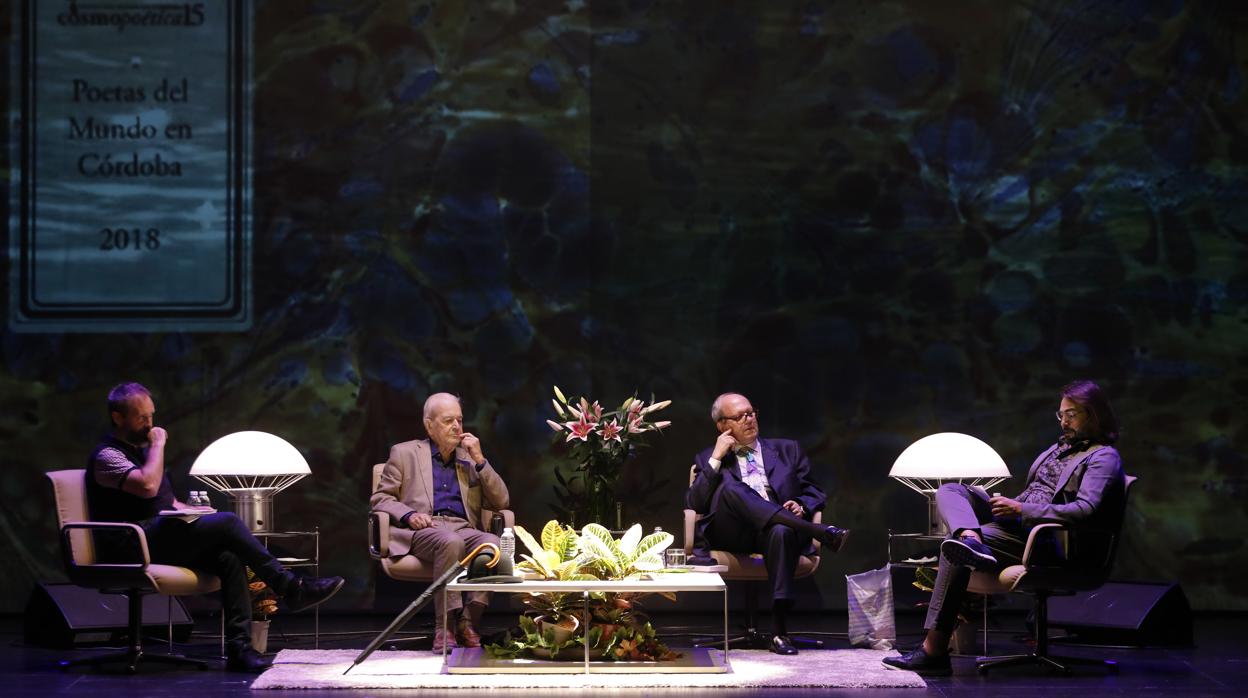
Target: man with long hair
1077 481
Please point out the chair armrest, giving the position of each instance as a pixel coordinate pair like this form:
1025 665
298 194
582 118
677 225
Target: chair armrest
1046 545
132 533
378 533
1058 545
691 518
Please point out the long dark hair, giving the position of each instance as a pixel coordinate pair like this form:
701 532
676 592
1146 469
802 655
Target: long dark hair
1102 424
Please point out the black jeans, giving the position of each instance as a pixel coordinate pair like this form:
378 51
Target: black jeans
219 543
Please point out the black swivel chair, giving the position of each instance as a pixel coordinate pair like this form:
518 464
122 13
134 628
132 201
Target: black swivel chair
1057 561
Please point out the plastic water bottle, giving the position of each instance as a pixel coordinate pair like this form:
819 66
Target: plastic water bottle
507 546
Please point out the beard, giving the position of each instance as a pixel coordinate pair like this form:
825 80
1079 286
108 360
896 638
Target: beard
1072 436
138 437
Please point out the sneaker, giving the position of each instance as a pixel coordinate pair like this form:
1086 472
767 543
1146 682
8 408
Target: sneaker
920 663
311 591
969 552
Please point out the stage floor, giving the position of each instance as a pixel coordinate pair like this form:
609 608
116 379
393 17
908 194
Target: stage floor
1215 666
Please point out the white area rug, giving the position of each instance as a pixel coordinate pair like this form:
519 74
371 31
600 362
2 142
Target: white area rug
404 669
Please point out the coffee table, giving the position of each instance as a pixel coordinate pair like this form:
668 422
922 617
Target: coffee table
693 660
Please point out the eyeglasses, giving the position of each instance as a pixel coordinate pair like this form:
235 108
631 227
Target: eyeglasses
752 414
1063 415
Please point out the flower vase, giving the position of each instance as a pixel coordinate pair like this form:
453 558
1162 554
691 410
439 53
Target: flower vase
601 506
260 635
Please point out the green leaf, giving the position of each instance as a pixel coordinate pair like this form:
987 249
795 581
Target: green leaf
654 544
551 533
628 542
526 538
597 541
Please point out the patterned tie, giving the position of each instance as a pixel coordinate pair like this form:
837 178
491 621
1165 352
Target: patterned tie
757 479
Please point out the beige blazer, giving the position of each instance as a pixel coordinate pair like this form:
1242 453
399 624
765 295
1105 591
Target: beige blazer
406 485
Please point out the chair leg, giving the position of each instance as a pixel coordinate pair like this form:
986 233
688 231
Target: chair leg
131 656
1040 655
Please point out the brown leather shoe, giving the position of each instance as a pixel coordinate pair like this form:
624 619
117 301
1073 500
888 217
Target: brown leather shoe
466 634
443 638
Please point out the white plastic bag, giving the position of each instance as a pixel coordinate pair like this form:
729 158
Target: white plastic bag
871 620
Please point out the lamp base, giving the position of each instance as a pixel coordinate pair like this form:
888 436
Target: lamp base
935 522
255 509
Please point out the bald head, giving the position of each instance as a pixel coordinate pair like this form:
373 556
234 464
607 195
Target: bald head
438 401
717 407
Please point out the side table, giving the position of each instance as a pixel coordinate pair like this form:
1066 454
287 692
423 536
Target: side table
917 540
314 561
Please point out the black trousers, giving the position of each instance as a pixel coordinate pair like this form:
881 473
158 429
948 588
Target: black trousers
742 524
219 543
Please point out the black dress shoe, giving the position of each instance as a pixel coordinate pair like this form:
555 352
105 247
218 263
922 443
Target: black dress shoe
969 552
311 591
833 538
920 663
247 661
781 644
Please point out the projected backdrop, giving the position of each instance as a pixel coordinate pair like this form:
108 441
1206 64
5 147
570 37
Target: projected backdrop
879 220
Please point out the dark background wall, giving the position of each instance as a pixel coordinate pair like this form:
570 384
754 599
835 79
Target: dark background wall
879 220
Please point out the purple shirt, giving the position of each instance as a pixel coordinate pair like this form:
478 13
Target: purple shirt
447 499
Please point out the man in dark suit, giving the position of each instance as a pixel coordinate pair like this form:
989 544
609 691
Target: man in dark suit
762 499
1077 481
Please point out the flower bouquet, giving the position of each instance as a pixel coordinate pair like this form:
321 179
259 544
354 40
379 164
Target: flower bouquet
599 442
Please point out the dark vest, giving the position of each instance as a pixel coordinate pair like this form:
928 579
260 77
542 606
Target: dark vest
113 504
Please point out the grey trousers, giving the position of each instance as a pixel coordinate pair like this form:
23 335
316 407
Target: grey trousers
444 543
965 509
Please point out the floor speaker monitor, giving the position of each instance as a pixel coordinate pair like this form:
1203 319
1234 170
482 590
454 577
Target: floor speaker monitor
65 615
1126 613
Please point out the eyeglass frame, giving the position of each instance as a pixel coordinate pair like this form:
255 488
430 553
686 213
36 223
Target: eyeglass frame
1070 413
741 417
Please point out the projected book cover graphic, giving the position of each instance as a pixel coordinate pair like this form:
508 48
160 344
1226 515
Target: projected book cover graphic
131 169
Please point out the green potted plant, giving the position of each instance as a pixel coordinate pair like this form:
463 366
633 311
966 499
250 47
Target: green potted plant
550 627
263 605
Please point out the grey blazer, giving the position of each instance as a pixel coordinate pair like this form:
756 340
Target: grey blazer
1090 492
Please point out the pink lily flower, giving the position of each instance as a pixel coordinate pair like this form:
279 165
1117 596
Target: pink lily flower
610 430
635 424
579 429
593 412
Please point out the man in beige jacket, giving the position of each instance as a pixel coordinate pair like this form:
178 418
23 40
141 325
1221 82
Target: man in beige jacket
433 490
